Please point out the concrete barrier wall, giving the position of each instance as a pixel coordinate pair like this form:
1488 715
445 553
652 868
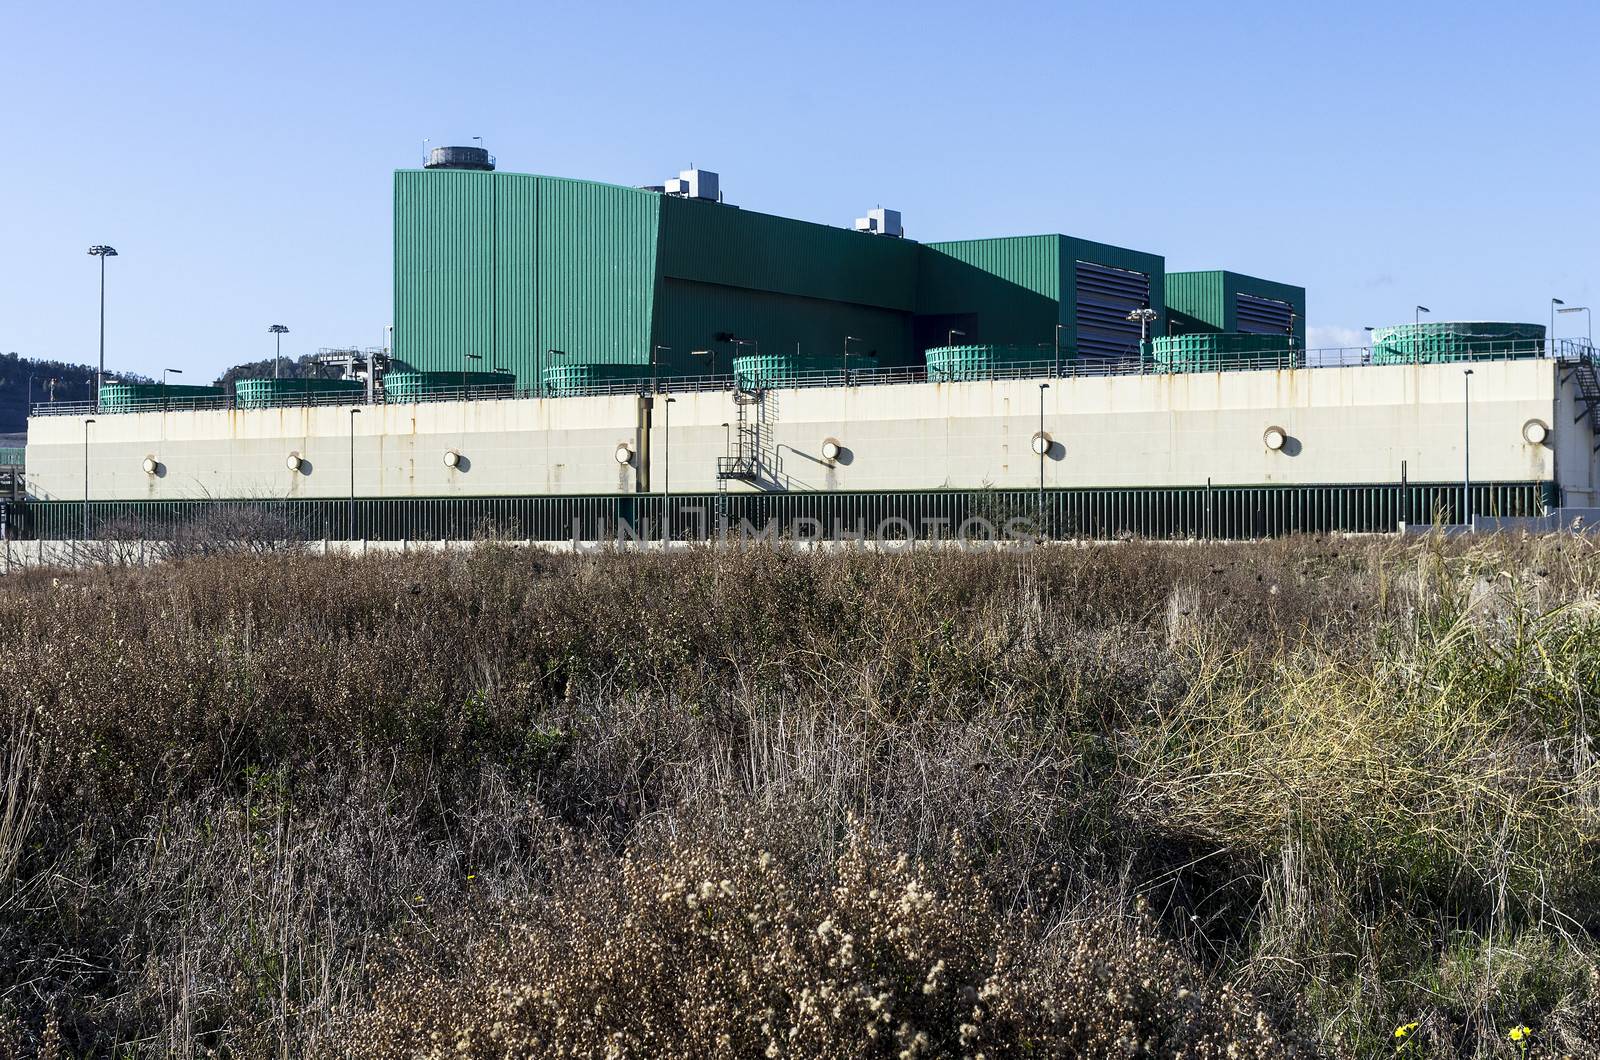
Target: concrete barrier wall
1343 425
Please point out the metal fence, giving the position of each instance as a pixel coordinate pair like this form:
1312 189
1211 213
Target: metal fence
1159 512
1045 368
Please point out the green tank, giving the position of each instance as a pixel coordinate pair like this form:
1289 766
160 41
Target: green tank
145 397
1442 341
276 393
1222 351
420 386
786 369
955 364
562 379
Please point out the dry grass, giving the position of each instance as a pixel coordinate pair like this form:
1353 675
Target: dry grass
269 805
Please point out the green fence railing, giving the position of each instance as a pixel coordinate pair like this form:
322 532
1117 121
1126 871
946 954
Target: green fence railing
1165 512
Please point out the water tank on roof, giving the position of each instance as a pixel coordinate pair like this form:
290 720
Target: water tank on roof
459 158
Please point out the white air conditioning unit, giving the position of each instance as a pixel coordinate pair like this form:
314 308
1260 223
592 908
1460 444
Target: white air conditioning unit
695 184
881 222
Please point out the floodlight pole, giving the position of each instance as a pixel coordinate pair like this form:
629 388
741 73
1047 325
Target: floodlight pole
1466 446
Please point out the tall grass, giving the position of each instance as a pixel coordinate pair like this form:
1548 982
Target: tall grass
275 805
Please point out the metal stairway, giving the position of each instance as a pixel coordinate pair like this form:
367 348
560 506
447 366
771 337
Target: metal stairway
741 463
1588 380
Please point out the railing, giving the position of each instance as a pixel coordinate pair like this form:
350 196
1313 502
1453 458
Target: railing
1044 368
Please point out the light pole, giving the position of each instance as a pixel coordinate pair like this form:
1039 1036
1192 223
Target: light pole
470 357
1416 333
1058 349
848 339
1144 316
1549 336
86 422
1369 329
655 361
1587 319
666 470
543 387
165 401
951 341
1043 446
101 251
277 331
350 530
1466 445
709 352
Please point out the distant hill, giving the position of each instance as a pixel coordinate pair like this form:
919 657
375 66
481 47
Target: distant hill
72 382
291 368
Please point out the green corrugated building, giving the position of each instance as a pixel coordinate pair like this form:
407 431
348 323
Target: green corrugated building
1230 302
509 266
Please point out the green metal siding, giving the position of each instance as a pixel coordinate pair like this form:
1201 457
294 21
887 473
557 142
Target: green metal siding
712 243
597 270
1207 301
444 266
999 291
516 275
690 316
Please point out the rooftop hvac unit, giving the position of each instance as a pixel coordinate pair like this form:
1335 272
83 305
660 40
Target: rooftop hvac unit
695 184
881 222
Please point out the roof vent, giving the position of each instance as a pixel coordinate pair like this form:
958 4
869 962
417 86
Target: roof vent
459 158
695 184
881 222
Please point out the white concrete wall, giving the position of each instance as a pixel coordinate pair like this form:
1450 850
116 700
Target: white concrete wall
1345 425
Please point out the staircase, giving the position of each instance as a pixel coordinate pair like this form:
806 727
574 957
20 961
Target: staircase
1583 373
742 460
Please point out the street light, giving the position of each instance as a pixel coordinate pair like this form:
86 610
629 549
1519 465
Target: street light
1043 445
710 352
1058 349
277 331
175 371
86 422
655 360
666 470
1466 444
953 333
471 357
350 530
1588 319
101 251
1144 316
848 339
543 386
1549 336
1416 333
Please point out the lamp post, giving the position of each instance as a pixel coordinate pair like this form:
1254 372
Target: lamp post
543 387
101 251
1416 333
666 471
165 401
1587 318
1369 329
1043 446
1058 349
1466 445
655 361
86 422
277 331
1549 336
848 339
1144 316
470 357
951 340
350 530
709 352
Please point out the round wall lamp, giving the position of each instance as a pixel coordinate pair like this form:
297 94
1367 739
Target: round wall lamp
1535 432
1041 442
623 455
1274 438
831 449
151 465
452 458
293 462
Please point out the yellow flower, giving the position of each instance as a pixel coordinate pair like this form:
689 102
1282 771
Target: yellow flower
1520 1032
1401 1032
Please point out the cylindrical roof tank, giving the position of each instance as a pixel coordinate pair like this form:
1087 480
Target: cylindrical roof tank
459 158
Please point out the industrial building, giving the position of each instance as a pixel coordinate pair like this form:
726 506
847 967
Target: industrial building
567 355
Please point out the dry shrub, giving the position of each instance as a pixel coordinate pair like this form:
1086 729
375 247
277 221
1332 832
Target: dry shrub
707 949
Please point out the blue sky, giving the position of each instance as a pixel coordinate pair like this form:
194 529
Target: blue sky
239 156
